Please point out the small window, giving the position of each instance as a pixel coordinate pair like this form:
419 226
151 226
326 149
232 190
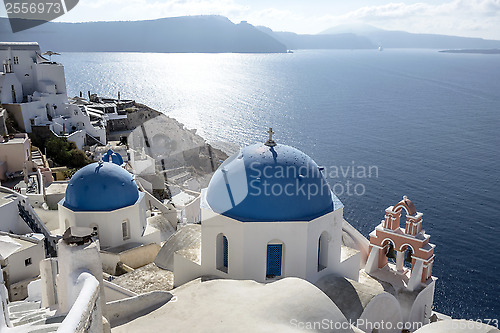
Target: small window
27 262
125 230
224 241
16 60
222 259
95 229
323 251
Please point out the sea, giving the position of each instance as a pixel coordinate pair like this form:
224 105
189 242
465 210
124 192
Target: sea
408 122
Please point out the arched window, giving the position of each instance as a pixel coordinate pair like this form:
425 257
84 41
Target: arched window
408 257
125 229
222 255
95 228
323 251
390 250
14 98
274 265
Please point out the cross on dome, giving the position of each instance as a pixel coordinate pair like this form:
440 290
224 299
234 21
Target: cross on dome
270 142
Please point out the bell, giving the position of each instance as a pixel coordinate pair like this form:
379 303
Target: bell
391 253
408 256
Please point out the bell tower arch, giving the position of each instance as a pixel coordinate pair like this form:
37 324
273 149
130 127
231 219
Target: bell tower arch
409 244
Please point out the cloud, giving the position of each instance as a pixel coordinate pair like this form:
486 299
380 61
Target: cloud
113 10
458 17
275 14
457 8
475 18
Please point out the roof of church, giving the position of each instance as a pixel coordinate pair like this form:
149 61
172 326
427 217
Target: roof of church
270 183
101 187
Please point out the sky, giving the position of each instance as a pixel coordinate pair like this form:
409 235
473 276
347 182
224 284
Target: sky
470 18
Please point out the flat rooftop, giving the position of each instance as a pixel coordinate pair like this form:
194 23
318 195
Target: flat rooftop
14 141
6 196
56 187
33 46
50 218
25 242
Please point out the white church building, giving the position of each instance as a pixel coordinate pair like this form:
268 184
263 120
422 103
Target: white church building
269 213
104 197
33 91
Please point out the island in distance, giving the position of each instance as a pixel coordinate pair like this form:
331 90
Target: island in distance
186 34
217 34
473 51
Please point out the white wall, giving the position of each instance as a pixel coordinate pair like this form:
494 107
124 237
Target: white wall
50 78
421 310
25 66
114 292
122 311
17 269
382 308
332 224
6 82
110 223
136 257
247 247
192 211
72 261
11 221
15 153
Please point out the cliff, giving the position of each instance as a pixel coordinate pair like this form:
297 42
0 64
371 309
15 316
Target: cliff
193 34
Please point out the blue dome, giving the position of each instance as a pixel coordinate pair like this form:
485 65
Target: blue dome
269 184
113 157
101 187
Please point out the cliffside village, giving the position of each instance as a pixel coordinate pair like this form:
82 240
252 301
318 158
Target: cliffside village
156 229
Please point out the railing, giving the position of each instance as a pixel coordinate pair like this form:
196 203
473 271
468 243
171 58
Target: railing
94 138
85 314
36 225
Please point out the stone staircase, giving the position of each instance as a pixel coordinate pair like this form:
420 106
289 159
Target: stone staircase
178 176
33 317
27 213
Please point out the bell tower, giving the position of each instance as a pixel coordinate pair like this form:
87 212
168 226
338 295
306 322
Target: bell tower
409 244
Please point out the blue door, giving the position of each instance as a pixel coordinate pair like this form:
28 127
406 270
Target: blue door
274 254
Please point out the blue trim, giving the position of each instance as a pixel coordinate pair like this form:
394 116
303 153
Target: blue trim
274 256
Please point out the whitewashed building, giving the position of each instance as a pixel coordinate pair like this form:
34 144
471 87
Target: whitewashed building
269 213
104 196
19 258
15 152
33 91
